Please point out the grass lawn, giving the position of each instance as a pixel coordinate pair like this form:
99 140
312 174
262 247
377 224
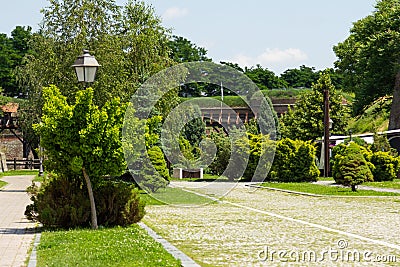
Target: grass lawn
325 190
2 183
130 246
18 172
389 184
174 196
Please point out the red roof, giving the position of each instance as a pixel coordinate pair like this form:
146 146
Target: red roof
10 107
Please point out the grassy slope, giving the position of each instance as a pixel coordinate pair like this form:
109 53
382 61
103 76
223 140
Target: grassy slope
375 118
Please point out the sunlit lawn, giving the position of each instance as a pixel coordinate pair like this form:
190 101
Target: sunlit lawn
175 196
325 189
18 172
389 184
130 246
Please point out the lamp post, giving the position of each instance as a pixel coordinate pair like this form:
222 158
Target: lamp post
327 126
86 67
41 171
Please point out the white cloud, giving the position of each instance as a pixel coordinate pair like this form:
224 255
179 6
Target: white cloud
277 55
174 13
275 59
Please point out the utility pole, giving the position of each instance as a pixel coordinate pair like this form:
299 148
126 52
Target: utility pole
326 132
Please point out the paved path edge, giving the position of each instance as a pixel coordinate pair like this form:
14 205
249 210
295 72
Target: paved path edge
186 261
33 256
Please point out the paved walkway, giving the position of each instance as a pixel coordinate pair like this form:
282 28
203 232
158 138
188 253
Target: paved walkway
16 232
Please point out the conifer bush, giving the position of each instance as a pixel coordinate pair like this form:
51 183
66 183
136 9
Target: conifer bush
386 166
294 162
63 202
350 167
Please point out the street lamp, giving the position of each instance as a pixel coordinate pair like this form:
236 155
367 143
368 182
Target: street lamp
86 67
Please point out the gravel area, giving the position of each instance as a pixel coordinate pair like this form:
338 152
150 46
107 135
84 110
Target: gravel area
282 226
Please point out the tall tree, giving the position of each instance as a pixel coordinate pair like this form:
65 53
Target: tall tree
129 42
12 51
264 78
306 121
183 50
303 77
369 58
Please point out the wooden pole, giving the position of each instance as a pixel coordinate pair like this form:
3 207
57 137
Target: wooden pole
326 133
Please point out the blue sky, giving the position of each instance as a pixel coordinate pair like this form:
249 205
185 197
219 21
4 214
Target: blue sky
278 34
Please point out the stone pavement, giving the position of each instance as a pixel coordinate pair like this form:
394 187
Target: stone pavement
251 227
16 232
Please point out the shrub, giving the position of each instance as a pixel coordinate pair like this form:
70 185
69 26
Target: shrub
386 166
60 202
260 158
223 153
294 162
153 175
350 167
158 161
64 203
118 203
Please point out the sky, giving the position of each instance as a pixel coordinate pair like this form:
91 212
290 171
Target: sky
277 34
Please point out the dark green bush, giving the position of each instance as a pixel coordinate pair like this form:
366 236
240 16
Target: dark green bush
150 180
294 162
223 153
350 167
64 203
118 203
60 202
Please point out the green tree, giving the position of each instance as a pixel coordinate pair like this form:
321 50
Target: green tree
306 120
183 50
264 78
129 42
81 138
303 77
259 146
12 51
369 58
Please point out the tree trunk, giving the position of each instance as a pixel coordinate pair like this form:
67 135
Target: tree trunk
91 198
394 121
353 188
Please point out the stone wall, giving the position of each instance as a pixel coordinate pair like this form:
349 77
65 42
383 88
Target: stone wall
10 145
